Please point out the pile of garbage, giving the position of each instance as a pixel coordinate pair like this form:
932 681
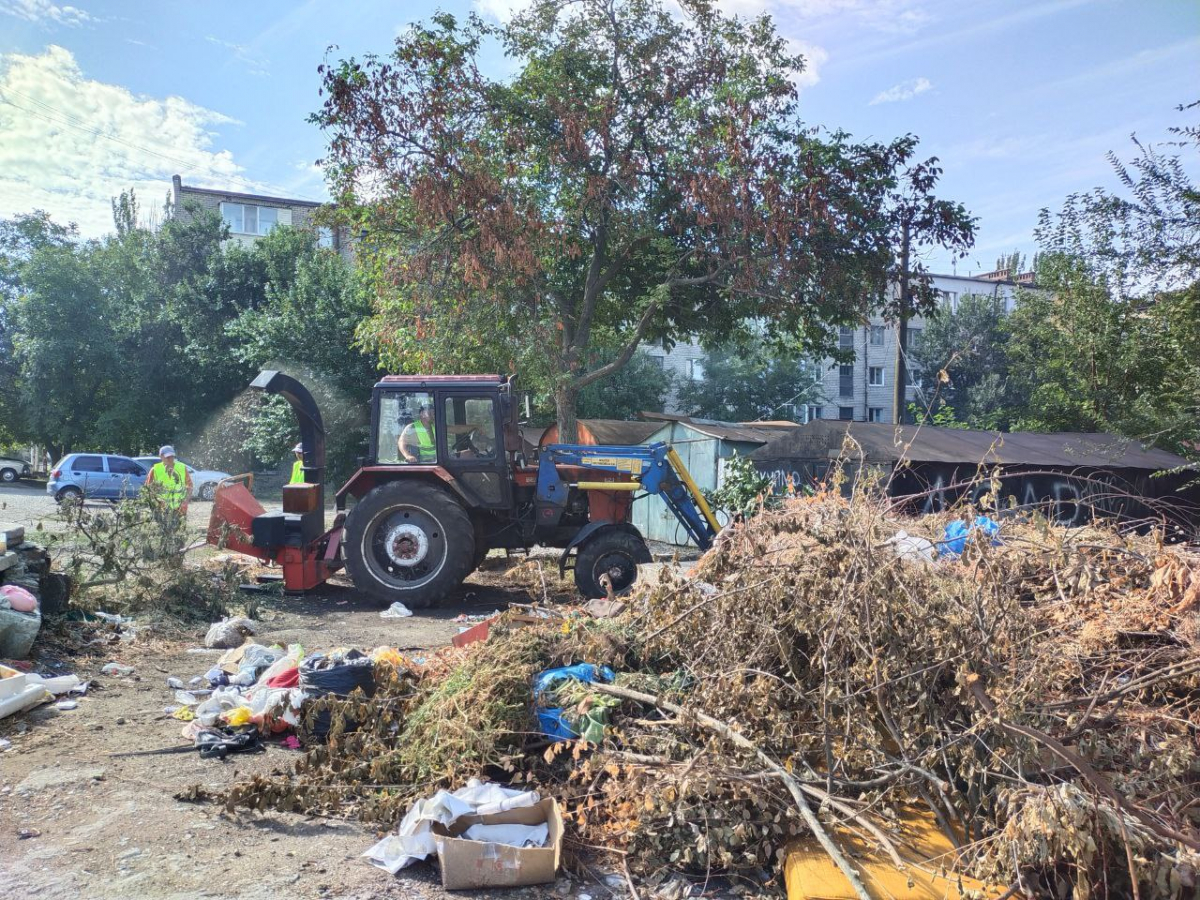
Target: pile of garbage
26 585
817 684
255 692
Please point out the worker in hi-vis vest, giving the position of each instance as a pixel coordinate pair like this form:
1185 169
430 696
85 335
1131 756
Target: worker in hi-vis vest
416 441
169 478
298 465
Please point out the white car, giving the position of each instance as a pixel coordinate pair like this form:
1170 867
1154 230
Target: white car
204 481
11 469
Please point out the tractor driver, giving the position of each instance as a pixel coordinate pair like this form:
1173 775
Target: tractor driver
417 441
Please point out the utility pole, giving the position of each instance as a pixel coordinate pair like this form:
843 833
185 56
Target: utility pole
900 393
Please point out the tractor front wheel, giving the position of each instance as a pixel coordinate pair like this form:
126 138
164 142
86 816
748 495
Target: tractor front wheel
612 552
409 542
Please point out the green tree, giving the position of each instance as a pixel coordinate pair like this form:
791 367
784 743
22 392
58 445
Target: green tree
965 357
20 237
641 385
305 325
748 381
513 222
1109 343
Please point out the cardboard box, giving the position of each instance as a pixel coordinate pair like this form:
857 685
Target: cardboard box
476 864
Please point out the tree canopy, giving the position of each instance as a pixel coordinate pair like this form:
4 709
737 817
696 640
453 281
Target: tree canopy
641 175
748 381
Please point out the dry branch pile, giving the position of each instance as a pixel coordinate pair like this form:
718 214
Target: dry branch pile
1039 697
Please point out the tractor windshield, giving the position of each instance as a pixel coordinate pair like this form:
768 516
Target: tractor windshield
407 432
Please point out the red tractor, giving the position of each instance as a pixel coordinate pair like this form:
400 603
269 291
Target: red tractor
446 481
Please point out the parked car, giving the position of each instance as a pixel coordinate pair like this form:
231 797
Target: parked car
204 481
11 469
100 476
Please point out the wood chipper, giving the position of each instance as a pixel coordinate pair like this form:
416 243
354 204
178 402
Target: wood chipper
410 526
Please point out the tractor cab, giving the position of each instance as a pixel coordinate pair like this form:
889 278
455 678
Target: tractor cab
458 430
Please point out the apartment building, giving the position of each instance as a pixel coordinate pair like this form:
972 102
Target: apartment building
864 390
250 216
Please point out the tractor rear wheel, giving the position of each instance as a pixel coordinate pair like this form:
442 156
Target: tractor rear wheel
410 542
612 552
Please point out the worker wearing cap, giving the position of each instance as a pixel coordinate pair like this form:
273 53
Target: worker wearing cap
416 441
170 479
298 465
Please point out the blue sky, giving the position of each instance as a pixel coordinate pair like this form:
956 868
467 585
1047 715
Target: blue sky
1021 100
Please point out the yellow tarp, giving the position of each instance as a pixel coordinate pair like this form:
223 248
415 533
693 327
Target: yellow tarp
929 875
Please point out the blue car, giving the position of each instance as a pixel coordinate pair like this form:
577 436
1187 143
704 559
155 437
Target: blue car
95 476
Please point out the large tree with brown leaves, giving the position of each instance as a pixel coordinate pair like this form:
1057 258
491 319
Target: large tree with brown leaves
639 175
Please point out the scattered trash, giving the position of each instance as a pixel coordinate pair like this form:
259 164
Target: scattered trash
396 611
229 633
114 668
291 742
418 834
5 744
176 683
912 549
26 833
112 618
66 704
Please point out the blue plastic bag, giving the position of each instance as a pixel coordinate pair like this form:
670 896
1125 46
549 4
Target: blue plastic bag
585 672
551 720
954 541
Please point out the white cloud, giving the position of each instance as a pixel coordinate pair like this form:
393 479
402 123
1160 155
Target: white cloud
814 55
44 12
69 144
501 10
905 90
255 64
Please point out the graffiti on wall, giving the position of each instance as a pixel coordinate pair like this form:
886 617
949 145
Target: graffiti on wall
1067 498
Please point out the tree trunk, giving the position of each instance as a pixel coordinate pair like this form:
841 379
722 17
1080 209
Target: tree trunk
565 400
899 389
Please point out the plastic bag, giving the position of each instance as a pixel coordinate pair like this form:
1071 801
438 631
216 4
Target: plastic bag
396 611
322 675
954 541
553 725
18 598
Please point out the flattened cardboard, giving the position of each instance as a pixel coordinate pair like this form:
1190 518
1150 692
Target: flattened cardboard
477 864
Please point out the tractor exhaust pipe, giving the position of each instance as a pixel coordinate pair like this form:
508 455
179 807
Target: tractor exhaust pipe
312 429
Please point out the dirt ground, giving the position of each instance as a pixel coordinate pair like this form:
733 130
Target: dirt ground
107 827
79 821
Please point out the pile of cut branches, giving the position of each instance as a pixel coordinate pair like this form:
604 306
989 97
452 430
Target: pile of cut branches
1038 698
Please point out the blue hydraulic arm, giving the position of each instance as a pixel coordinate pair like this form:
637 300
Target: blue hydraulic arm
654 468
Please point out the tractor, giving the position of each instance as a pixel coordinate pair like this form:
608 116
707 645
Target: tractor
420 515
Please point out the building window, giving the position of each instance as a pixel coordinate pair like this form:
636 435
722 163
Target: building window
814 412
846 338
875 414
244 218
846 413
876 335
325 238
914 339
696 369
845 380
912 377
875 376
659 361
950 299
